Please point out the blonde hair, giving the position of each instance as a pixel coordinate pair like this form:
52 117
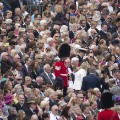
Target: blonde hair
117 108
13 52
72 20
84 65
58 8
48 92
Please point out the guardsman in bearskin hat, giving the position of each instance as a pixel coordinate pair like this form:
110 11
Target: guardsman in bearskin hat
60 69
107 102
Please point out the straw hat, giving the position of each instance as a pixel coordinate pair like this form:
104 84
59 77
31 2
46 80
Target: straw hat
31 101
62 103
44 103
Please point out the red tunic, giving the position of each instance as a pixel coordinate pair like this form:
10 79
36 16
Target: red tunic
107 114
60 69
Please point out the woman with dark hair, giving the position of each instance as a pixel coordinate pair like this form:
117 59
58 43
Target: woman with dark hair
104 81
45 116
107 101
66 113
34 70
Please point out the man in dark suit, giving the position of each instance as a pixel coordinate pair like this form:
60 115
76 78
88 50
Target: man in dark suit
103 32
21 103
47 75
21 53
90 81
5 64
76 112
81 54
116 34
26 70
53 99
83 25
85 111
93 108
31 110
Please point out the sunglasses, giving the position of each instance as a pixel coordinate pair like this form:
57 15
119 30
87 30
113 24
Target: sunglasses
94 65
47 13
81 97
19 79
57 36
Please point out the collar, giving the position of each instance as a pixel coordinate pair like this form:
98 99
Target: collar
26 65
31 109
84 115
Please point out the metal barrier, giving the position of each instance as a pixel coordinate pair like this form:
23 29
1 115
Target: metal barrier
33 4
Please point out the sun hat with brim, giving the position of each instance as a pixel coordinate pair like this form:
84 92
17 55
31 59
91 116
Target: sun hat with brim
44 103
11 35
62 103
8 98
31 101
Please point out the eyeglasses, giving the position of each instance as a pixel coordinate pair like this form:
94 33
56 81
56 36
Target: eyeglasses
39 58
47 13
17 20
19 79
94 65
57 36
91 56
81 97
89 18
30 29
56 109
19 66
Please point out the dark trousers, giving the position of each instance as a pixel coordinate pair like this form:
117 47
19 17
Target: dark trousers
64 91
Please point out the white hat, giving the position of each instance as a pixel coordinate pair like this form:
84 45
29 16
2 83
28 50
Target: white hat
83 49
8 21
21 29
77 46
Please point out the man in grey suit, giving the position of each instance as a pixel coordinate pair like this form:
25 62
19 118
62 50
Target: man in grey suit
47 76
116 34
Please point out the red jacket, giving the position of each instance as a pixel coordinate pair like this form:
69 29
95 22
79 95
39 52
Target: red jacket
107 115
60 69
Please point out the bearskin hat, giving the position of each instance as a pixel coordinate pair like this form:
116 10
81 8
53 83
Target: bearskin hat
64 50
107 100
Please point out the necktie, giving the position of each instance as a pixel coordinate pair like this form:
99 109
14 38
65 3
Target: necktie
50 79
56 118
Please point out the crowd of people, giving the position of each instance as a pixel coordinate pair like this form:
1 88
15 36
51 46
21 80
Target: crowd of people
62 64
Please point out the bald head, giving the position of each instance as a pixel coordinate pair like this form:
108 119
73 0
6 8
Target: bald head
54 109
4 56
1 6
34 117
17 12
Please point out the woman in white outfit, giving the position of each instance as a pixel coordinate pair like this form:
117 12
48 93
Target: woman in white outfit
82 72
